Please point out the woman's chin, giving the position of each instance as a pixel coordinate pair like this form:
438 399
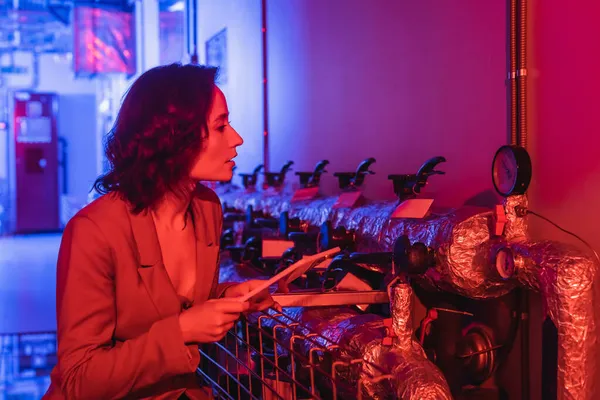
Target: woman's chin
223 175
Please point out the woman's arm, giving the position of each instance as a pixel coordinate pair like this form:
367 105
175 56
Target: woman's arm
91 366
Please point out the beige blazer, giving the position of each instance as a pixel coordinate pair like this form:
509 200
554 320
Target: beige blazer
117 311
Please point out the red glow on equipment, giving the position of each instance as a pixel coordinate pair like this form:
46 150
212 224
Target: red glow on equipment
104 41
36 151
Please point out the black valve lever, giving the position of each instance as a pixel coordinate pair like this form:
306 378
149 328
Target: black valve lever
276 179
381 258
249 180
407 186
288 225
302 239
251 216
412 259
312 179
233 217
428 167
252 250
270 223
227 238
236 252
343 264
228 209
336 237
349 180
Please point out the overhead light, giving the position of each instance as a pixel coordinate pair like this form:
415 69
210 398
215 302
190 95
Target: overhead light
179 6
104 106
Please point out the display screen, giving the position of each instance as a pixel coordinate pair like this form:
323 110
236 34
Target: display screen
104 41
34 130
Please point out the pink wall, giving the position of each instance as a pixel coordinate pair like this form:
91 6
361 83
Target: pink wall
564 89
402 82
564 119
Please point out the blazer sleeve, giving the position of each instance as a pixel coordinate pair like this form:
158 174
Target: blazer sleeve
90 364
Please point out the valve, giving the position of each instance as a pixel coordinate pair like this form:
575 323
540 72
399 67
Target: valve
352 180
254 218
276 179
336 237
249 180
371 268
288 225
407 186
227 238
312 179
412 259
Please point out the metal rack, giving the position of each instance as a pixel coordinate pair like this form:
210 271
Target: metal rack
271 355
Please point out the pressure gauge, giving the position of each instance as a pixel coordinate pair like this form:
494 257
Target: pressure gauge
511 170
505 263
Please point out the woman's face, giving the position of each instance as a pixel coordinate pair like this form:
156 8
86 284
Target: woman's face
214 163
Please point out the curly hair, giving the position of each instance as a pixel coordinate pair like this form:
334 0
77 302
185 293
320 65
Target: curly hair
158 133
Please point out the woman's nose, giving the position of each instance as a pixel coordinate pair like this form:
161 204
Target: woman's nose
237 139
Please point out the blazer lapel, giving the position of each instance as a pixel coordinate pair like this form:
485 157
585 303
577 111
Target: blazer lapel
207 248
151 268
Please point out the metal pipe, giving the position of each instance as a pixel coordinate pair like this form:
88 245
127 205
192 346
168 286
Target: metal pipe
512 71
263 5
187 27
194 58
522 73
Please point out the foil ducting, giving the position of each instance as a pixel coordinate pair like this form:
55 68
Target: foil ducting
419 377
240 199
273 202
224 190
405 369
516 227
461 238
314 212
369 221
465 246
565 277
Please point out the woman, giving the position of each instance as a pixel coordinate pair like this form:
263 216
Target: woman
137 280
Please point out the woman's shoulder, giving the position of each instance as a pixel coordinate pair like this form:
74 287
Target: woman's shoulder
106 209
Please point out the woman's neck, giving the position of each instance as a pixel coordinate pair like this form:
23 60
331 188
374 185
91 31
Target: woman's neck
171 212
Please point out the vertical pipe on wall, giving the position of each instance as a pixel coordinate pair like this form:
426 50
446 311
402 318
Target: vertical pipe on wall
522 73
517 96
194 58
263 6
518 107
512 70
186 26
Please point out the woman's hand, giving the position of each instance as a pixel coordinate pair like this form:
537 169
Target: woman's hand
209 322
258 302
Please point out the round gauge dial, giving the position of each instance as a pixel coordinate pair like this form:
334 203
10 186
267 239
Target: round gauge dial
505 263
511 170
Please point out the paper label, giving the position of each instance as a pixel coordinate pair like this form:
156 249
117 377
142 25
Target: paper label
269 190
412 208
275 248
348 199
305 194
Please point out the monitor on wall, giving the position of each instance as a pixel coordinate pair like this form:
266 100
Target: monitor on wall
104 41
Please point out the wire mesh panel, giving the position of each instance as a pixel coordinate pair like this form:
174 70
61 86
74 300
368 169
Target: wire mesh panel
26 360
272 355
